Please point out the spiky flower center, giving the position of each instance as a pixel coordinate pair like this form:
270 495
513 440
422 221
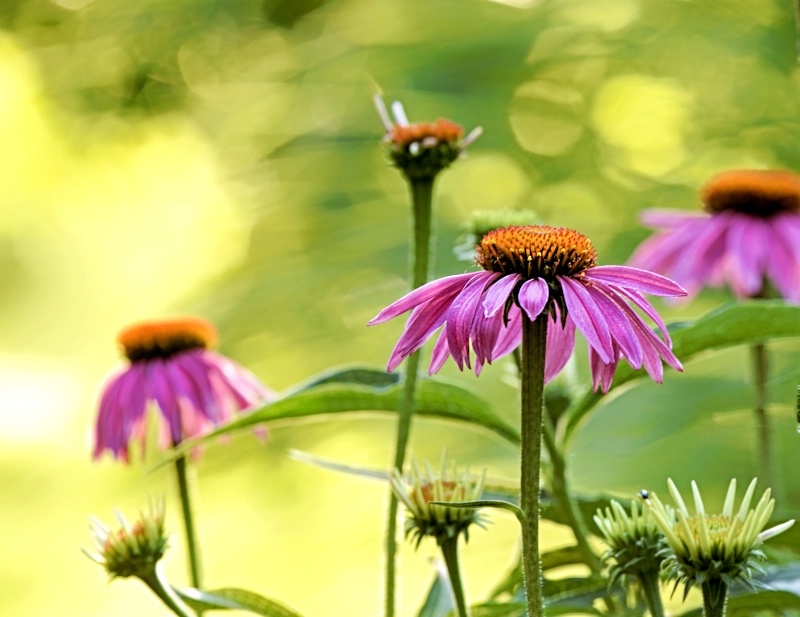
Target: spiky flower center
718 525
149 340
440 131
536 251
758 193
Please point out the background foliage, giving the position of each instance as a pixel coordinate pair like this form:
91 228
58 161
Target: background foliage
223 158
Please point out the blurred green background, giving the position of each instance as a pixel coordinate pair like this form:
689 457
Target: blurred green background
223 158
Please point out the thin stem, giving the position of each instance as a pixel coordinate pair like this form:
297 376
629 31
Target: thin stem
760 372
421 198
534 337
652 593
157 583
450 553
188 521
715 598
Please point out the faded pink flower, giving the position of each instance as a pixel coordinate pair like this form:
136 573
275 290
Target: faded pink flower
172 371
542 271
750 235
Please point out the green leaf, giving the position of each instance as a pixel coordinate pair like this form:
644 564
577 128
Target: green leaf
370 390
439 601
742 323
229 598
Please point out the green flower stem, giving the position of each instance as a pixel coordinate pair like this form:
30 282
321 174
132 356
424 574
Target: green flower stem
760 375
450 553
188 521
534 338
564 500
157 583
715 597
421 198
652 593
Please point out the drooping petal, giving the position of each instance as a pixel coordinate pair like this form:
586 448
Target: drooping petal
461 314
497 294
424 321
510 335
560 343
440 353
635 278
745 249
587 316
448 286
602 372
160 391
618 320
533 297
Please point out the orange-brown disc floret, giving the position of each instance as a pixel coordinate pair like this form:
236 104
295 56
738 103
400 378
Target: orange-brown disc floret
442 131
147 340
536 251
760 193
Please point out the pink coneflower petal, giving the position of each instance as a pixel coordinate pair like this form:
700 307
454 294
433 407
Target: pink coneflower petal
635 278
560 343
744 245
192 388
497 295
618 321
533 297
462 314
587 317
448 286
440 353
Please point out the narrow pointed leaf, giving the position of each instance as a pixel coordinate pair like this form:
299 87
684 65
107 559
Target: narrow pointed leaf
368 390
230 598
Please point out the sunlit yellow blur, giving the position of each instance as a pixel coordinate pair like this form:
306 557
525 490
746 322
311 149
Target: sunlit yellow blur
224 159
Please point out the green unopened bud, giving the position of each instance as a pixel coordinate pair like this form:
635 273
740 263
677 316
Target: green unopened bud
634 541
131 550
440 522
709 548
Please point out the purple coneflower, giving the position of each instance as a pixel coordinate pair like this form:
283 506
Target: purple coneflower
171 369
750 234
542 271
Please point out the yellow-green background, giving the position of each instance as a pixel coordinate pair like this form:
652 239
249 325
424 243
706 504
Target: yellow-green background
222 158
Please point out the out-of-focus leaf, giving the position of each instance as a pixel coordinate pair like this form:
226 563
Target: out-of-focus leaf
230 598
566 556
573 592
498 609
439 601
744 323
435 399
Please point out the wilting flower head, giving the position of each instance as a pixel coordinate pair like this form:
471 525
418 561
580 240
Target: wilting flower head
545 271
706 546
423 149
634 541
750 234
440 522
171 368
131 550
